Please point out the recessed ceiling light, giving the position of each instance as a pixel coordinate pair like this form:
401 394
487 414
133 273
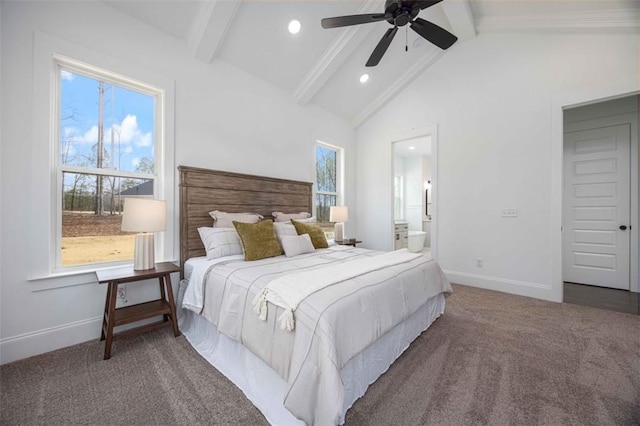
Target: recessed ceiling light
411 148
364 78
294 26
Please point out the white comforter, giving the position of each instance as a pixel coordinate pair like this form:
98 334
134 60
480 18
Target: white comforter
332 324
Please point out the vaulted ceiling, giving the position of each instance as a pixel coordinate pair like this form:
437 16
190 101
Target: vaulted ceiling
323 66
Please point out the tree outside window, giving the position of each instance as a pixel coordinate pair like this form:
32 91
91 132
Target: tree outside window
327 183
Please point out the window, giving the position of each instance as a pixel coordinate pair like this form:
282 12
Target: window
328 183
106 151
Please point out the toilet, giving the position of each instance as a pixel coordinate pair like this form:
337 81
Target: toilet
416 241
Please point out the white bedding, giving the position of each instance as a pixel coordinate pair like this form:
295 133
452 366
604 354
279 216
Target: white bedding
333 325
190 264
266 389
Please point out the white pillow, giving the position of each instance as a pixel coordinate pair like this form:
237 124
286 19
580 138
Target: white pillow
284 229
285 217
299 244
225 220
219 242
312 219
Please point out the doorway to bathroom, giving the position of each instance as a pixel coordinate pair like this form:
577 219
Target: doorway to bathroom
413 193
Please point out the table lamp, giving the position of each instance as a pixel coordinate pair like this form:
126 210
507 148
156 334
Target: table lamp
339 215
145 216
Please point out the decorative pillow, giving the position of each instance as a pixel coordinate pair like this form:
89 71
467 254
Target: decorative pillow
225 220
315 232
299 244
284 229
219 242
286 217
258 240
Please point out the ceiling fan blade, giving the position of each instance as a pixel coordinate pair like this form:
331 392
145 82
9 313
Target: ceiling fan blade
433 33
423 4
382 47
345 21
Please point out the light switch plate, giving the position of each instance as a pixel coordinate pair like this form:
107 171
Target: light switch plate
509 212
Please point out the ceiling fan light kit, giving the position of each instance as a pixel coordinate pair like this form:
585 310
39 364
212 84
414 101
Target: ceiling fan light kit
397 13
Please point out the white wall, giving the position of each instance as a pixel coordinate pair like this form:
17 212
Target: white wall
224 119
413 192
491 99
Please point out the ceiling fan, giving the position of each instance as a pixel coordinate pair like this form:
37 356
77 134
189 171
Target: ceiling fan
398 13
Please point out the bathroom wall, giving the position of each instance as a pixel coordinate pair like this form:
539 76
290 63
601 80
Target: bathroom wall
398 171
427 177
413 192
426 220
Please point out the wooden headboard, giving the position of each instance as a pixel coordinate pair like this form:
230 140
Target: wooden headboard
203 190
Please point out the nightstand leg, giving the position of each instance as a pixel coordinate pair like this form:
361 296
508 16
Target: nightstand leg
113 292
105 313
172 305
165 317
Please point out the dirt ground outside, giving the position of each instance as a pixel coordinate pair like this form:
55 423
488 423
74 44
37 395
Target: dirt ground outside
89 238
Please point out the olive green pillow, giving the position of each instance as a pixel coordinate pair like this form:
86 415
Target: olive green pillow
258 240
315 232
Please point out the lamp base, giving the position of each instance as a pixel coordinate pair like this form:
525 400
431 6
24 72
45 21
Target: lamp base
144 256
338 234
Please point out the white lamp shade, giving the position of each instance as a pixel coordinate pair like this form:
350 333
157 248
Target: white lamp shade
338 214
144 215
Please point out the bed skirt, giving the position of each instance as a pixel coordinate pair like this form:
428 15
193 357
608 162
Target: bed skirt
266 389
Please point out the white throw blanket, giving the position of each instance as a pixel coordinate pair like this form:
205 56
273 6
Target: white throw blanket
290 290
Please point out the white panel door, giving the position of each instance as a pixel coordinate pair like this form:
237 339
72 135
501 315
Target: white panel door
596 207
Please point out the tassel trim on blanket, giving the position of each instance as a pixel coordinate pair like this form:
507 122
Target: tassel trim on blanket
260 307
286 320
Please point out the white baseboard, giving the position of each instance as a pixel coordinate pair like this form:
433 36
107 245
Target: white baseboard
521 288
49 339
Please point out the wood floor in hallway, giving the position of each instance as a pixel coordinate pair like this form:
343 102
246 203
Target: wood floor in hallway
603 298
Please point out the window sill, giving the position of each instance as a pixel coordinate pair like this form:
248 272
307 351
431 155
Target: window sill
70 278
67 278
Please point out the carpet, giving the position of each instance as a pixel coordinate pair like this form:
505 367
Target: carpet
491 359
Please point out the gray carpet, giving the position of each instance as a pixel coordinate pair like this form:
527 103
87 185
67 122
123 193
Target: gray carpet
491 359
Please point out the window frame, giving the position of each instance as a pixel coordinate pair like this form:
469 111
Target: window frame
339 193
61 64
42 231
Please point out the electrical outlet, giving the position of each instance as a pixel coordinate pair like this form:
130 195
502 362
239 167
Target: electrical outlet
509 212
479 263
122 293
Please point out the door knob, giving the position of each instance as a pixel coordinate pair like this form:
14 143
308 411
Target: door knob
623 227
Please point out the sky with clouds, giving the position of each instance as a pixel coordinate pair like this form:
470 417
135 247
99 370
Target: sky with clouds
128 123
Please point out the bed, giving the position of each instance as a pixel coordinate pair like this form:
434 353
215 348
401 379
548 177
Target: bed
306 360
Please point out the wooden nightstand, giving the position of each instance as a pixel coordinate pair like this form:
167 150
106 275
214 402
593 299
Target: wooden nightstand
164 306
350 242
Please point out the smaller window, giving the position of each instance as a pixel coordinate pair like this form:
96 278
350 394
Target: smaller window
328 184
